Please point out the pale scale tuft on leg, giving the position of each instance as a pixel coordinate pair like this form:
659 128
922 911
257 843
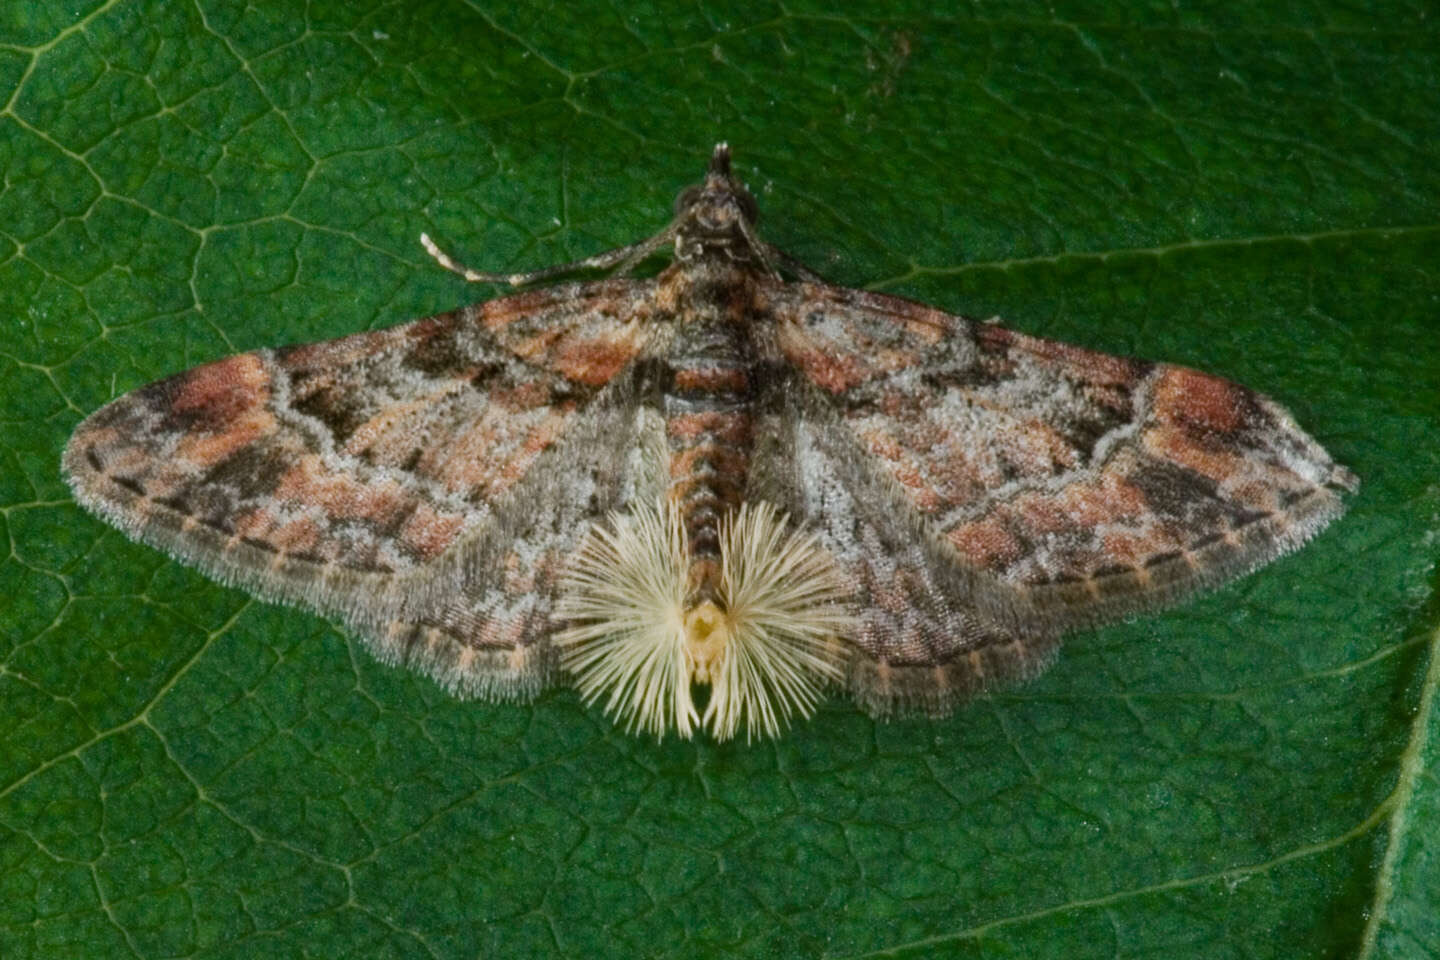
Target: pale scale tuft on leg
768 648
783 616
624 595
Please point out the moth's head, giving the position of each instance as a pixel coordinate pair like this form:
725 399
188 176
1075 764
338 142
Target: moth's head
716 214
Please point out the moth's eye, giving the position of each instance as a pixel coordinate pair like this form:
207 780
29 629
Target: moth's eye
687 199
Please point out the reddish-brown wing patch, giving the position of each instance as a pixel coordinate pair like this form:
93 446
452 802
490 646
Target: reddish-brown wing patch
1098 483
927 631
325 474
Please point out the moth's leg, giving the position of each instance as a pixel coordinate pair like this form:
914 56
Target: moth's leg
636 252
628 256
791 264
765 251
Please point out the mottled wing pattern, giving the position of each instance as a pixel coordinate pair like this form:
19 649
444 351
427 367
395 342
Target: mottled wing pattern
928 630
404 480
1104 485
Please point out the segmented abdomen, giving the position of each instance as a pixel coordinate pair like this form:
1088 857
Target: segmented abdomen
709 428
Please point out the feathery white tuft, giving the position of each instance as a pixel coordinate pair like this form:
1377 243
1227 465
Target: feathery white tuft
782 599
625 596
768 649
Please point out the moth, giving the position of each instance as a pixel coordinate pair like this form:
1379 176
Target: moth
714 475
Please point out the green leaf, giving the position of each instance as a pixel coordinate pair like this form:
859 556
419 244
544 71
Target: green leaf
185 771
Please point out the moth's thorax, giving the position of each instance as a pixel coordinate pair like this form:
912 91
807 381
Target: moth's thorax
710 290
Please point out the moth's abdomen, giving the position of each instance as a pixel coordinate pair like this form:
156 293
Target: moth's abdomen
709 431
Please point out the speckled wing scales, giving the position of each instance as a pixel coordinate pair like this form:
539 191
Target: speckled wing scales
926 630
407 480
1047 486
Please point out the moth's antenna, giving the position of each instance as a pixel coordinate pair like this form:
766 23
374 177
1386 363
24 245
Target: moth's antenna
600 261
